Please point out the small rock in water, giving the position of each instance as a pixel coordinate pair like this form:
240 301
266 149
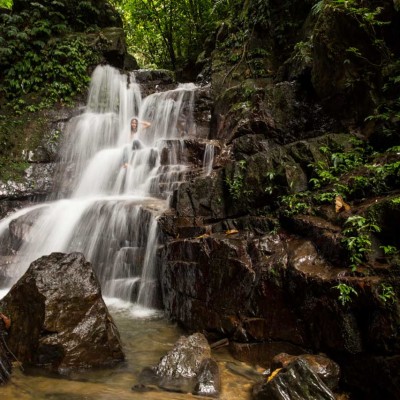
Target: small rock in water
187 368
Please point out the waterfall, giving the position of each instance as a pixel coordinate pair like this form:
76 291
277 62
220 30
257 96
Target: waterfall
208 159
117 185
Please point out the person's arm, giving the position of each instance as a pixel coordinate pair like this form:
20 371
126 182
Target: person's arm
145 124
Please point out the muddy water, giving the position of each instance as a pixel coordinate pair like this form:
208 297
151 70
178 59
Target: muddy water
146 337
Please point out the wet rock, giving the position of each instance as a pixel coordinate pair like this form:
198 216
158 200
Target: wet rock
20 228
130 62
208 379
111 42
188 367
326 236
8 207
5 359
65 324
202 197
278 111
282 299
154 76
325 368
198 277
184 360
296 381
250 144
371 376
38 181
262 354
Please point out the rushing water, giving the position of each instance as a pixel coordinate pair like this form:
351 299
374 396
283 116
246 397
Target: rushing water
208 159
113 185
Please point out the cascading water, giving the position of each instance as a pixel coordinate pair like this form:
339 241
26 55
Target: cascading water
117 185
208 159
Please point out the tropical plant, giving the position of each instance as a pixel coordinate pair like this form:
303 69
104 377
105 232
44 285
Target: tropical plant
386 293
357 230
345 292
6 3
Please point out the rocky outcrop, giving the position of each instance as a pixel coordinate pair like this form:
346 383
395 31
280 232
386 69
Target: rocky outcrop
65 324
276 293
111 44
188 367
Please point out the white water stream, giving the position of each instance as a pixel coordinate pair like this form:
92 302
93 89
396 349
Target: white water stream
117 185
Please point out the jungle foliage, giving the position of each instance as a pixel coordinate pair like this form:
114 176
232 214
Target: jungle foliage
166 33
41 59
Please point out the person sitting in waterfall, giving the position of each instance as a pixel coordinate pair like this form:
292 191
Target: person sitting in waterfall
136 144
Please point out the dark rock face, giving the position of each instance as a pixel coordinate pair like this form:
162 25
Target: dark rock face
296 381
65 324
188 367
281 299
111 43
5 360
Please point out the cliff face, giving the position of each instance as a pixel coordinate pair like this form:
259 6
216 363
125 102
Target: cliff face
297 249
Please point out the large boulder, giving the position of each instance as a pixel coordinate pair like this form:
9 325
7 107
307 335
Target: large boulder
60 321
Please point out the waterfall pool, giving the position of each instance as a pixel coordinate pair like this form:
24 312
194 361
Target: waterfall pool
146 337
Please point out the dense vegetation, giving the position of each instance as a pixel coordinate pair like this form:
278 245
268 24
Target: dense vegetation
42 59
167 34
46 51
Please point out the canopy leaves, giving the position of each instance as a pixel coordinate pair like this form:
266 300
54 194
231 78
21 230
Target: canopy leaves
166 33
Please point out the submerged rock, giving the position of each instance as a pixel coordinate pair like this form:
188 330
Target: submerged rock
60 321
187 368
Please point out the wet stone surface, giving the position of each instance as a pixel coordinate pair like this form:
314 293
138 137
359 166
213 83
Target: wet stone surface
187 368
60 321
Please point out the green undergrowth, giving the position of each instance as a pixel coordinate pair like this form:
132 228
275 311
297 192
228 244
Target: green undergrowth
342 181
18 135
42 60
353 174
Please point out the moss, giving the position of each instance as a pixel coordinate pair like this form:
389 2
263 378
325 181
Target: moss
20 134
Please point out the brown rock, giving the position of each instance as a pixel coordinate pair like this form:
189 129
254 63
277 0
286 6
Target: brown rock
60 321
325 368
